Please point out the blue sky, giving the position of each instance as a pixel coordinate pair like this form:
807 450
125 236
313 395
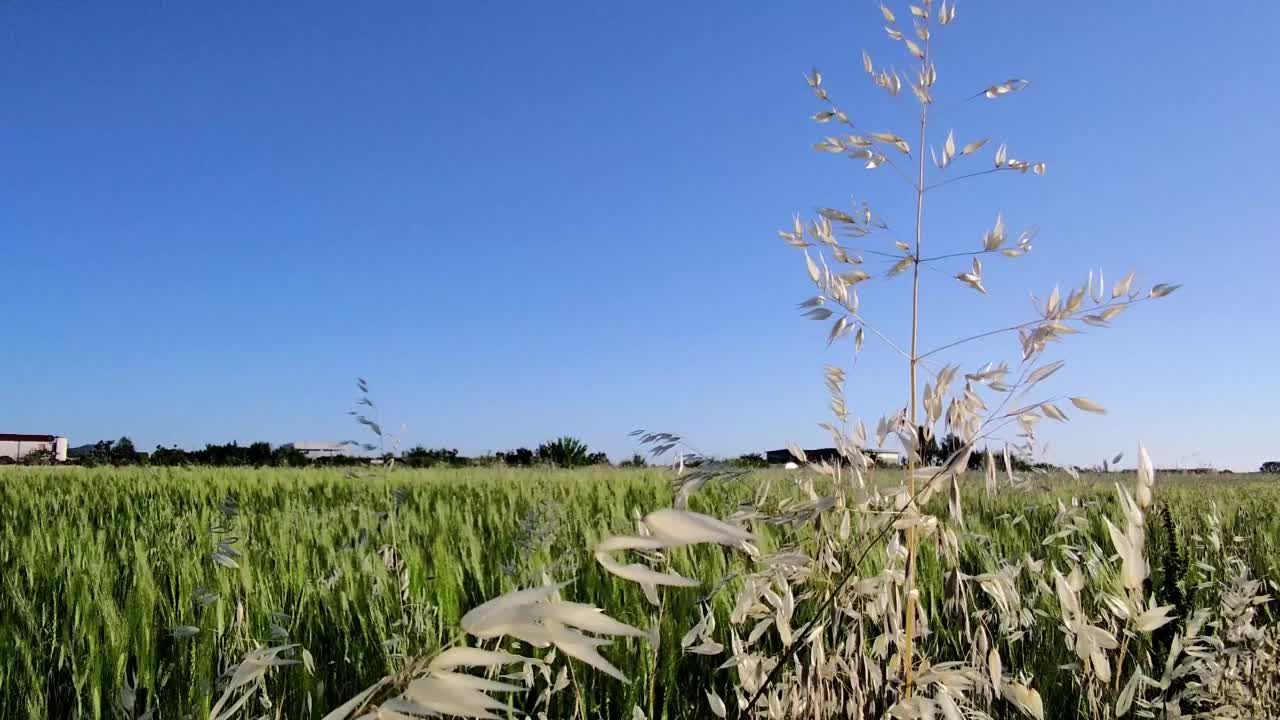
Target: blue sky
523 220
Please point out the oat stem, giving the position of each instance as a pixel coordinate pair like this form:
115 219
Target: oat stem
653 676
909 614
578 711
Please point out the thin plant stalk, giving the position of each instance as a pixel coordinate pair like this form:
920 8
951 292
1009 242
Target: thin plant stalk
912 540
653 675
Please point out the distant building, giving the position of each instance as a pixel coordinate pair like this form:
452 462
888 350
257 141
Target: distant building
817 455
315 450
890 458
879 457
17 446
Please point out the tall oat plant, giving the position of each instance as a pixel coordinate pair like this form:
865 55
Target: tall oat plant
825 615
967 414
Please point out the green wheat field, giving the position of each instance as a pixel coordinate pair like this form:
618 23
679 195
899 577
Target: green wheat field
143 585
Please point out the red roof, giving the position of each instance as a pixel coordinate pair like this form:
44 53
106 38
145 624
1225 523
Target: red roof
10 437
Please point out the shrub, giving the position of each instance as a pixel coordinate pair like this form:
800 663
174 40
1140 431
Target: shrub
520 457
636 460
751 460
420 457
564 452
38 457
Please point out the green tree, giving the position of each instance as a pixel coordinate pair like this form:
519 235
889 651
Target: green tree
288 457
564 452
258 454
169 457
520 457
124 453
637 460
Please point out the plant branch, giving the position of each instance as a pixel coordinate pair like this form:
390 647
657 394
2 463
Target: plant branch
869 251
1032 323
882 336
889 161
948 256
966 176
853 314
881 253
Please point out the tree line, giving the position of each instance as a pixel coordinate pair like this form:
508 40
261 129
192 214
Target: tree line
561 452
565 451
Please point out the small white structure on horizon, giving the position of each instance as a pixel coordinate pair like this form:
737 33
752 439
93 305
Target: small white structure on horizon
888 458
17 446
313 450
785 458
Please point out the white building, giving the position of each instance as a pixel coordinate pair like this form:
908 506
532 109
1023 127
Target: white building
312 450
17 446
887 458
883 458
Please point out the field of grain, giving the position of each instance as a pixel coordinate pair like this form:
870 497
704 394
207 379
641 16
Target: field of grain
138 588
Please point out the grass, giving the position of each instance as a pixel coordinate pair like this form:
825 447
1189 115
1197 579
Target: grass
104 568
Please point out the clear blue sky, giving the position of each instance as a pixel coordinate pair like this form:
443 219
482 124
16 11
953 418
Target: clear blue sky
520 220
